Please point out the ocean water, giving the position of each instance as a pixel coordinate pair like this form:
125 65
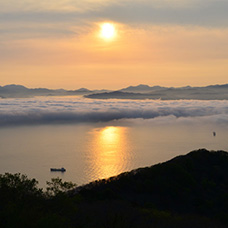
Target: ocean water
90 152
93 149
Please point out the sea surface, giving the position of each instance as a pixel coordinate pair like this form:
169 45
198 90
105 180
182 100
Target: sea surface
90 148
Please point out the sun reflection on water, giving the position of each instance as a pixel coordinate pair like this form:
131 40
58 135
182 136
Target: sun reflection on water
109 152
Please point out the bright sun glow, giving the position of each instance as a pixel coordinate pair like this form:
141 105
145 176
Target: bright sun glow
108 31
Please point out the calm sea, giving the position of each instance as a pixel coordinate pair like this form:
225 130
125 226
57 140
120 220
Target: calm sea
99 150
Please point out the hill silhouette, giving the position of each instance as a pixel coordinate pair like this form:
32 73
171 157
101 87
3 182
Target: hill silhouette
212 92
19 91
195 182
187 191
141 89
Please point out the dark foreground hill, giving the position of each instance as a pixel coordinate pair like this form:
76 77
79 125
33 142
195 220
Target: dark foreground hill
187 191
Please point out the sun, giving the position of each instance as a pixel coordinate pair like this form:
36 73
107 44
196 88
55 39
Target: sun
108 31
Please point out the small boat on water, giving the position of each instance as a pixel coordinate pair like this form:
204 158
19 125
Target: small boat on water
58 169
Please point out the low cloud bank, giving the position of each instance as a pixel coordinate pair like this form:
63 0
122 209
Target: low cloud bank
80 110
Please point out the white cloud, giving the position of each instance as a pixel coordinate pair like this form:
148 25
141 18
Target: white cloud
77 110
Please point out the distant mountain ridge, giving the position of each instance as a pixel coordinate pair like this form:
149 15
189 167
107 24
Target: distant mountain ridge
142 91
212 92
141 88
19 91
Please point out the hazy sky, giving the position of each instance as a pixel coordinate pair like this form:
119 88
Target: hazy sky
57 43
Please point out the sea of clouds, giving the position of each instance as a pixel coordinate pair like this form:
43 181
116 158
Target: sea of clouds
58 110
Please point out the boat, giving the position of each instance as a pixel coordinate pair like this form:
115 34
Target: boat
58 169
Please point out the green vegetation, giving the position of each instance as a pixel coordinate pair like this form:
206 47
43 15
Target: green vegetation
187 191
57 187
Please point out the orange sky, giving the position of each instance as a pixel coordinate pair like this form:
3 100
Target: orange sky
44 46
